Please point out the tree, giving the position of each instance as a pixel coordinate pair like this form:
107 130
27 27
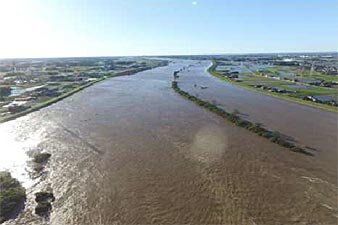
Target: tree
5 91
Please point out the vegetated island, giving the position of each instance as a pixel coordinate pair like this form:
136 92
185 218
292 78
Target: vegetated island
234 117
12 196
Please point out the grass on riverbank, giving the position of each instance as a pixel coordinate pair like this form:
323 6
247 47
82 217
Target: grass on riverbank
212 71
12 196
73 91
234 117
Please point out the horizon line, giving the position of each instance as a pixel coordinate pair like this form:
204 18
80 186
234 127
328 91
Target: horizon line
168 55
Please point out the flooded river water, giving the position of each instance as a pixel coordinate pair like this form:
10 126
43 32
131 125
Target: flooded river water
314 128
131 151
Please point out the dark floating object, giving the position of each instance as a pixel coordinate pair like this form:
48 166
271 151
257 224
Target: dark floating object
44 200
44 196
43 209
41 157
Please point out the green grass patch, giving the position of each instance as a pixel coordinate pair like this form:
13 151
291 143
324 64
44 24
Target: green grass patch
296 98
317 75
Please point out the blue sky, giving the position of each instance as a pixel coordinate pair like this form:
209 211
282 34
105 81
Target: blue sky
46 28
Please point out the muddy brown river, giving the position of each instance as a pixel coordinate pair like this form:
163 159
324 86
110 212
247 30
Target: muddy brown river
307 126
131 151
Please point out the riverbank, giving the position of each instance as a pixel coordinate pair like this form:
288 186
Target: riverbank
152 157
212 70
233 117
49 102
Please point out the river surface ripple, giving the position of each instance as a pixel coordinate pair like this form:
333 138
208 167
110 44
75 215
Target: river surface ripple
131 151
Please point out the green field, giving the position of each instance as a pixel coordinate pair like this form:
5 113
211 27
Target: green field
248 79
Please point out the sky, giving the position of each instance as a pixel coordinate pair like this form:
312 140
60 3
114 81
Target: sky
65 28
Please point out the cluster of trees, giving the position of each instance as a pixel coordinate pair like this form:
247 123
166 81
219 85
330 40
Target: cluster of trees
5 91
234 117
12 196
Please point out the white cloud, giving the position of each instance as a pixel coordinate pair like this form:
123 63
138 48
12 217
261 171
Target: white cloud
194 3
